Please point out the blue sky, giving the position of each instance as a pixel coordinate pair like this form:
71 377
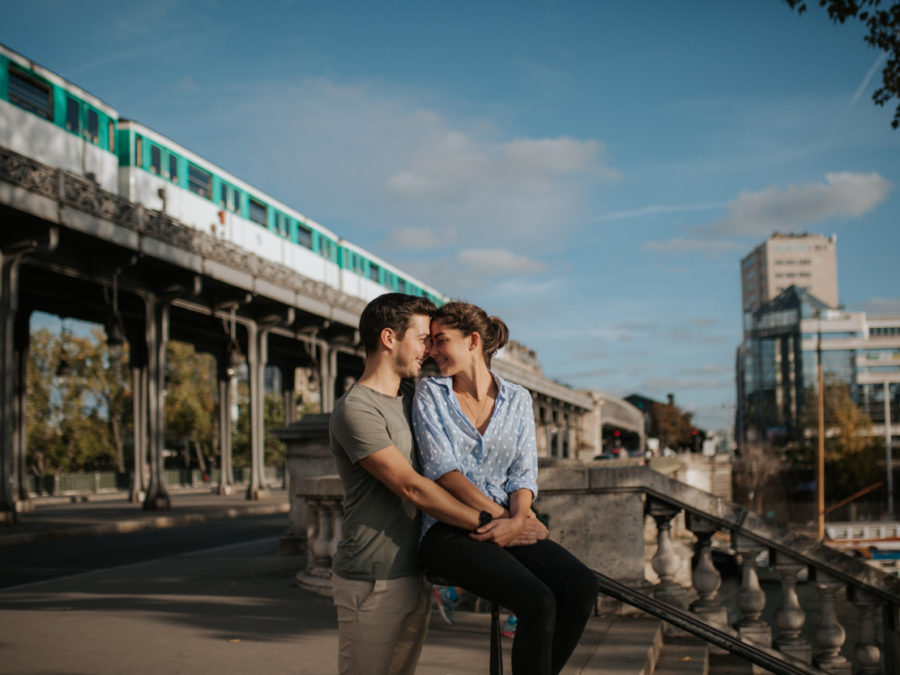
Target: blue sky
591 172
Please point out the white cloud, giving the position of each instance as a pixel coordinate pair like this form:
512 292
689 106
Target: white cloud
712 248
653 210
498 262
683 383
788 209
416 239
382 162
882 306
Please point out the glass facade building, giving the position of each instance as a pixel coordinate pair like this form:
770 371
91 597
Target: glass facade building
778 360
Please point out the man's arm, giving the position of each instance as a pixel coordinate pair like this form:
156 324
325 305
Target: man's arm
390 467
461 488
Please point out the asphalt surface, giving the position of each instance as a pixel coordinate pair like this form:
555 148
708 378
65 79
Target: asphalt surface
97 588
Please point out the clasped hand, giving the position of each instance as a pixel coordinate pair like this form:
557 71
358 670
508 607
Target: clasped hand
512 531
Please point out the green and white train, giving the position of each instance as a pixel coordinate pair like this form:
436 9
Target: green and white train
59 124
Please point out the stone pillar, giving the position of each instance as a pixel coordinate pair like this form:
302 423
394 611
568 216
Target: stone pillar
751 599
324 497
156 335
705 577
257 341
829 633
866 650
666 562
307 456
790 617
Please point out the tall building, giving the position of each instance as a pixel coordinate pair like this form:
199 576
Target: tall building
808 261
778 361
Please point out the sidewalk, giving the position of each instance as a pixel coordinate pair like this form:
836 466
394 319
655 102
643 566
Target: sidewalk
111 514
228 610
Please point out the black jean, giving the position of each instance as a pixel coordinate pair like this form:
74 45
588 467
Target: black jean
549 590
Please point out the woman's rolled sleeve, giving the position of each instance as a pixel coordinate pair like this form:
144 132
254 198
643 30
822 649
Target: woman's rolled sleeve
523 470
436 453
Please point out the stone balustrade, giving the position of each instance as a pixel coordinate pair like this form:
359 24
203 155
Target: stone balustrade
600 513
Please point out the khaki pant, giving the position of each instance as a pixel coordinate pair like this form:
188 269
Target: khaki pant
381 624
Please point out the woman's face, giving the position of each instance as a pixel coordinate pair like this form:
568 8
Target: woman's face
450 348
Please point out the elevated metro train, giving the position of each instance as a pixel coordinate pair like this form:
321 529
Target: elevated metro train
59 124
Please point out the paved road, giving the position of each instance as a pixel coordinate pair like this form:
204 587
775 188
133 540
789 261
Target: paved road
42 560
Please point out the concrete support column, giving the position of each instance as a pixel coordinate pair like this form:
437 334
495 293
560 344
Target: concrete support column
257 344
327 376
21 341
288 387
9 304
226 473
156 334
558 436
139 478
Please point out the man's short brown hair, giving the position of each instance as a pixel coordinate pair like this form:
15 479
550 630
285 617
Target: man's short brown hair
391 310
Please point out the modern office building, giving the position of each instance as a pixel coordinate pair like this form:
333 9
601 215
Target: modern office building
808 261
778 361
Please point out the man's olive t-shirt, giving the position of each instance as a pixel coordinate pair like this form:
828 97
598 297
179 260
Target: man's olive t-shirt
379 536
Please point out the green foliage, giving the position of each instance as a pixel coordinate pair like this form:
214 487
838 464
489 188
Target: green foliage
852 455
883 27
273 418
191 400
671 425
79 421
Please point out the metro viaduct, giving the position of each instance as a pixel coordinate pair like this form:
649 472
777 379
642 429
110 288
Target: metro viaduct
69 248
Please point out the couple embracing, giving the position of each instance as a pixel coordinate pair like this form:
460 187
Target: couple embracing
462 451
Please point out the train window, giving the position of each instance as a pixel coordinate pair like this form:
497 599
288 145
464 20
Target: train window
29 93
139 151
304 236
199 181
155 159
93 126
112 136
73 121
258 212
325 247
235 200
373 272
281 224
173 168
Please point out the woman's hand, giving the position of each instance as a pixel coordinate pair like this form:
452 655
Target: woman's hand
501 531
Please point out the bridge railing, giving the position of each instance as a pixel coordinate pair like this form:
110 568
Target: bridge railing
611 505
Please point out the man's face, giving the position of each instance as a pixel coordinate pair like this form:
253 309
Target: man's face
412 350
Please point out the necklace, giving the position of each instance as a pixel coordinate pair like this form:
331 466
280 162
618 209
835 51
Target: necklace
476 416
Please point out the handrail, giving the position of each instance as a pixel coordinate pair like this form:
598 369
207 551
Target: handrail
777 662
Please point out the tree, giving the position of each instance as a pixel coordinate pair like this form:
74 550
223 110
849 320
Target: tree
884 33
191 401
852 455
671 425
79 421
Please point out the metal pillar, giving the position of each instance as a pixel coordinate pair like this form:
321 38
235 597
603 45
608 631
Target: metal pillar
226 473
888 449
20 433
327 376
156 332
139 478
257 343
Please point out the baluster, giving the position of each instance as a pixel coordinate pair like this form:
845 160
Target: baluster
790 617
830 634
866 651
320 545
706 577
665 562
751 599
337 520
312 528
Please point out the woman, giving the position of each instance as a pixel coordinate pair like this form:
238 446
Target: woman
475 433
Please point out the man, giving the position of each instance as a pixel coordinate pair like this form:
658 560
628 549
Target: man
382 601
